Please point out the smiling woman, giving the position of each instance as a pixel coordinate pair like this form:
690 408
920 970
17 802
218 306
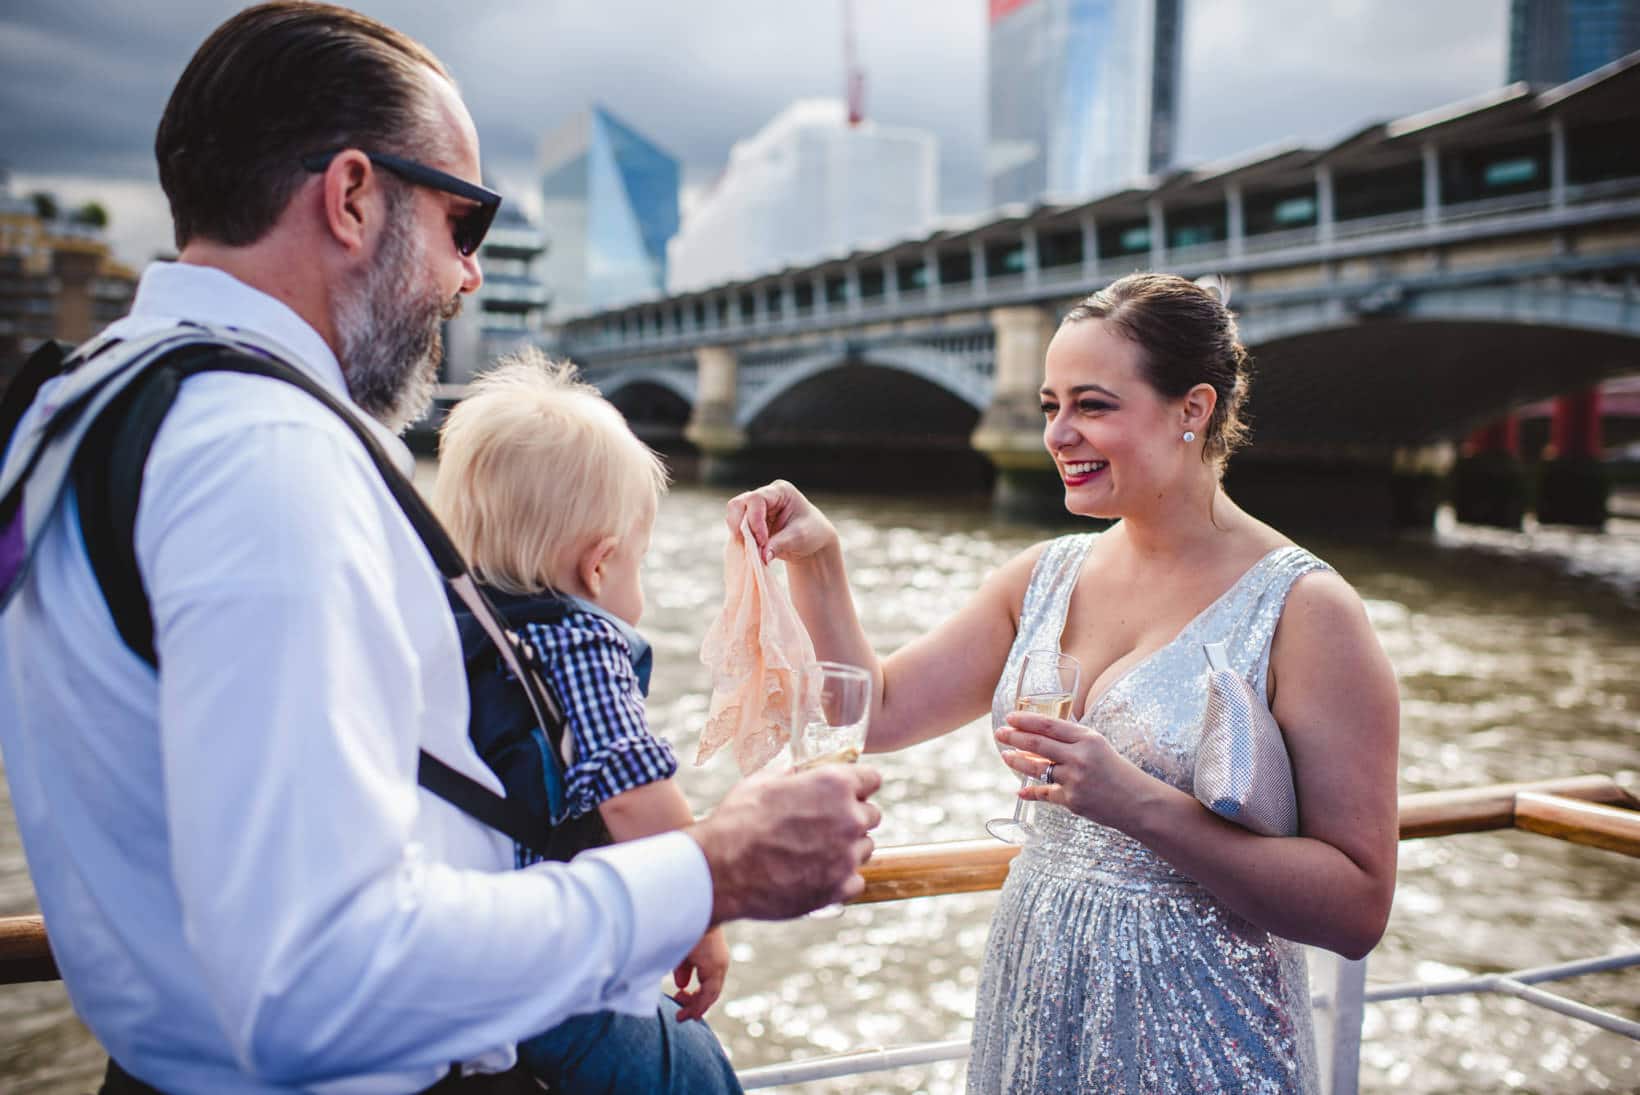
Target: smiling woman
1134 896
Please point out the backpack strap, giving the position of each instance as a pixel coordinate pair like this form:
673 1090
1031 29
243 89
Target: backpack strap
108 480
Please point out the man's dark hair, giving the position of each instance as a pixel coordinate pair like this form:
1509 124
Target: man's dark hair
272 84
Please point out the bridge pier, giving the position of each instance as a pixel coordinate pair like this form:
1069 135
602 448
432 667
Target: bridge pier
712 427
1009 433
1572 483
1489 481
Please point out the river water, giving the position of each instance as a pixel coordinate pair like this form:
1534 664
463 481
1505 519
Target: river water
1518 656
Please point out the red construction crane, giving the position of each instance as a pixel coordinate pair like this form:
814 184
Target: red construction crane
854 76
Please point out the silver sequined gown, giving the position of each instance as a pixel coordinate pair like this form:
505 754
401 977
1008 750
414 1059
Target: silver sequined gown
1106 969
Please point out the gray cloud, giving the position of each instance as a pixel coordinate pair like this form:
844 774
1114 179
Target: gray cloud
82 83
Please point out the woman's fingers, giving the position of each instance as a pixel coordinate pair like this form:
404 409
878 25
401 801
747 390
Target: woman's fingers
1042 727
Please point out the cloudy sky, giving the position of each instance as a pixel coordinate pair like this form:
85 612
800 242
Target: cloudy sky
83 82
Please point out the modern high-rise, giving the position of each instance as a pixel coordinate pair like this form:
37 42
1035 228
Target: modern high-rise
807 185
1553 41
1084 95
609 203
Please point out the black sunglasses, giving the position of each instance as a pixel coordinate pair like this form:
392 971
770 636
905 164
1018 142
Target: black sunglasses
470 227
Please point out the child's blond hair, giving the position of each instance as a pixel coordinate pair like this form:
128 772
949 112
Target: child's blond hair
535 466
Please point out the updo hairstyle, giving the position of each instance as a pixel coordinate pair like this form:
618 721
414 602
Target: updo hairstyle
1187 337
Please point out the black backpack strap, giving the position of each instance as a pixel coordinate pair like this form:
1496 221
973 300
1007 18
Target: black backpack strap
43 364
108 481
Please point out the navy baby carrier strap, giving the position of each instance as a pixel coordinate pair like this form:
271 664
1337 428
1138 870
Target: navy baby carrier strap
104 414
532 764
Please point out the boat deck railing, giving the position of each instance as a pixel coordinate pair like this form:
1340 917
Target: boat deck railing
1595 811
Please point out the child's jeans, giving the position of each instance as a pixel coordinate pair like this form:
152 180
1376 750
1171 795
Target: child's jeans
610 1053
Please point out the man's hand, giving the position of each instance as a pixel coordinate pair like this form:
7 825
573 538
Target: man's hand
781 846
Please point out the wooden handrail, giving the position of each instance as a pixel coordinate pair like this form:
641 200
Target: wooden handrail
1592 810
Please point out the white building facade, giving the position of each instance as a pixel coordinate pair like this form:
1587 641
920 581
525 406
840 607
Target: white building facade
806 186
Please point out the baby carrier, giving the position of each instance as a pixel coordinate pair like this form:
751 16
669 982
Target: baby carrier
105 403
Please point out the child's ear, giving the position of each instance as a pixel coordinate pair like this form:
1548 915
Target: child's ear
593 561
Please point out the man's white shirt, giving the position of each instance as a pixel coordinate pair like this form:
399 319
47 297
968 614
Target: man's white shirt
245 888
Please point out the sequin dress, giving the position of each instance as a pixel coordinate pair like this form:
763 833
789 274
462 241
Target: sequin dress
1107 970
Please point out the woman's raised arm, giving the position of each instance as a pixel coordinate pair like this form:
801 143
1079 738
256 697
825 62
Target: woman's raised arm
933 684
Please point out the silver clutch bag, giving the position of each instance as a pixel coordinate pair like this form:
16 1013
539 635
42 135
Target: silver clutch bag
1242 770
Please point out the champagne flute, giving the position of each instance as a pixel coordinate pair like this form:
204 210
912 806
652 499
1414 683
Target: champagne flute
836 733
1047 685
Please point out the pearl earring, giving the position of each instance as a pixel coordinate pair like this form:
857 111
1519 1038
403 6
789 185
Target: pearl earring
1189 437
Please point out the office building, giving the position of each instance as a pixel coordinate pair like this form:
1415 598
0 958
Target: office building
609 203
58 280
1552 41
1084 95
807 185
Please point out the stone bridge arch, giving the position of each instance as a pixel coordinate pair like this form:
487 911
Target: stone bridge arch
957 376
1398 369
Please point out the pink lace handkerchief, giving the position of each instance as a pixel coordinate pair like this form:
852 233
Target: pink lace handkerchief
764 672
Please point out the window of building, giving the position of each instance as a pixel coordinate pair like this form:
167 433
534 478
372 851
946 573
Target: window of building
911 275
1388 190
871 282
1006 259
1124 238
956 267
1062 248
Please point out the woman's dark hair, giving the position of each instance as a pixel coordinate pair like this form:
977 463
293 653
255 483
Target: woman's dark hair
1187 337
275 83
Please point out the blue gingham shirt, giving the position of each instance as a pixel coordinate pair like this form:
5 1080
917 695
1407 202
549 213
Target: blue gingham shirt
588 664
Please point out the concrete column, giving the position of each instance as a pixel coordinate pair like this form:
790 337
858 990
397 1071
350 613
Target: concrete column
976 267
788 298
1489 482
1033 258
1090 247
1158 234
851 289
1234 219
1573 485
688 320
1557 161
760 306
1325 216
891 283
821 305
931 273
1009 433
712 427
1432 185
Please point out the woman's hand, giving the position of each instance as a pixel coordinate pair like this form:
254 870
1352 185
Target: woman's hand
784 523
1090 777
709 962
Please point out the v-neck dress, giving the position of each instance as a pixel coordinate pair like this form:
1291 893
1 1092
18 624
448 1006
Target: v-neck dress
1107 970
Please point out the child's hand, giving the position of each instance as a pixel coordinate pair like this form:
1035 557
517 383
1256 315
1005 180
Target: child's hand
709 962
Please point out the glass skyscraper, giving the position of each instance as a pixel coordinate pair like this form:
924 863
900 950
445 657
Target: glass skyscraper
1084 95
1552 41
609 203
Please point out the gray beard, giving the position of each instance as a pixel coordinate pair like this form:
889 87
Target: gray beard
388 330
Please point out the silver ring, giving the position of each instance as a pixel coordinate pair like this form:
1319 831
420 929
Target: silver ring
1047 773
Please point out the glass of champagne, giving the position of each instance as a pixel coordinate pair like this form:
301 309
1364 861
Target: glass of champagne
1047 685
836 734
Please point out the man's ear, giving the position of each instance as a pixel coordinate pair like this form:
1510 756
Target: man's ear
593 562
351 192
1198 407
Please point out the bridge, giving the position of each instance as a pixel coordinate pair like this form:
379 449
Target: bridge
1402 290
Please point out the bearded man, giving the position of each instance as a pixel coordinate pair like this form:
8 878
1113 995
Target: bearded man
245 887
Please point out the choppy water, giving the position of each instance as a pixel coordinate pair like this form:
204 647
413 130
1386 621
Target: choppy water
1519 658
